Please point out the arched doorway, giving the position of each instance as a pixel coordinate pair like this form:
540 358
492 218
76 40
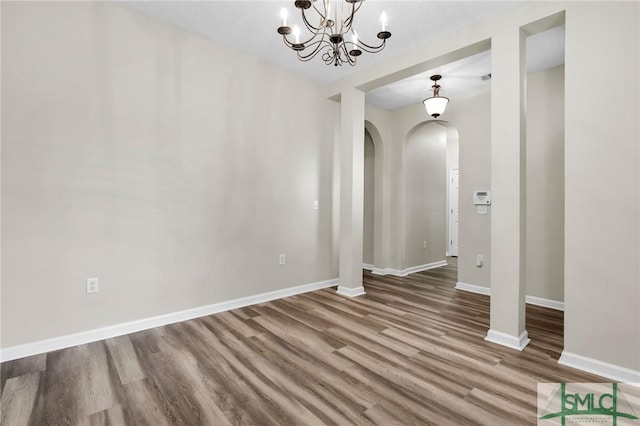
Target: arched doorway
431 158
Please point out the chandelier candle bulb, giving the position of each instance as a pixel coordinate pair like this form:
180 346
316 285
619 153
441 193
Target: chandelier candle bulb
354 39
283 14
296 33
383 20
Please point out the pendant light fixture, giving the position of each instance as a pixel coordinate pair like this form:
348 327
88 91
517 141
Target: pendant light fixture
332 35
436 104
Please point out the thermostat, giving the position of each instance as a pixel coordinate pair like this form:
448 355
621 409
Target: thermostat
482 198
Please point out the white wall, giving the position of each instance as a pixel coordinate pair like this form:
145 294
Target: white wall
156 160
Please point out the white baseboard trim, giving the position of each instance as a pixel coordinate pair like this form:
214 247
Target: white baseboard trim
513 342
424 267
412 270
367 266
386 271
604 369
472 288
532 300
350 292
547 303
48 345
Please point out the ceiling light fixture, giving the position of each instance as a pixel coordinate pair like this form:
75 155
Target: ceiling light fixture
329 35
436 104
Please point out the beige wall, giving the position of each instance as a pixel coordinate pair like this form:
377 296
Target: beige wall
164 165
545 184
453 162
415 218
602 157
472 117
156 160
602 140
414 206
369 199
379 125
545 190
425 191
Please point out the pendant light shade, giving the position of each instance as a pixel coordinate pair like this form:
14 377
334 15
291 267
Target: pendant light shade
436 104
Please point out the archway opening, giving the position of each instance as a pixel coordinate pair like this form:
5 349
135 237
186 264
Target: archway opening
431 162
368 235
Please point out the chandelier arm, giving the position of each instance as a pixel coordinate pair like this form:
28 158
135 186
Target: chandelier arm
316 8
354 9
308 24
286 41
328 58
350 59
315 41
312 39
371 49
319 46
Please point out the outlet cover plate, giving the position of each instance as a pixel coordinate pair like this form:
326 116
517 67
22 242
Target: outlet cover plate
92 285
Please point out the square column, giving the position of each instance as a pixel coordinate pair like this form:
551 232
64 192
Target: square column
351 192
508 185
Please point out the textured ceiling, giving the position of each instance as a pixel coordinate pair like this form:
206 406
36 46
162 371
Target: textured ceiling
250 27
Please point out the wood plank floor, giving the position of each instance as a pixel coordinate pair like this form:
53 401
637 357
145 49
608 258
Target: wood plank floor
409 352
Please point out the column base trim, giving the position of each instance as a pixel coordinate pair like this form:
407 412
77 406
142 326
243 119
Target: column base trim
504 339
412 270
350 292
473 288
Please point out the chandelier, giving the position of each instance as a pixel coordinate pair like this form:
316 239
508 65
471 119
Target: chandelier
328 36
436 104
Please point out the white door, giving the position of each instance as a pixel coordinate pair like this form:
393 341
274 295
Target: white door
453 212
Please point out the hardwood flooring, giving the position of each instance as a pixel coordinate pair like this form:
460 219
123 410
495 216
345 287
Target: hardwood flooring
409 352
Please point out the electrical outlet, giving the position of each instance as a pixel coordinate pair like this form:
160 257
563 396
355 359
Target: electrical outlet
315 205
282 259
424 244
479 260
92 285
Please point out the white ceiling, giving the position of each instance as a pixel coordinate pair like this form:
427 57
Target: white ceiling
464 77
250 26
